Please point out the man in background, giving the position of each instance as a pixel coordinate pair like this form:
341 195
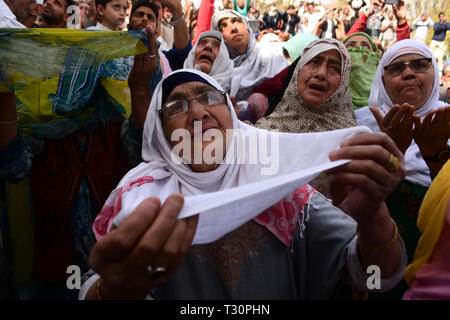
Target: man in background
437 42
55 13
421 25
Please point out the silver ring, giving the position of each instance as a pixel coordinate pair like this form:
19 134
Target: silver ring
156 272
152 55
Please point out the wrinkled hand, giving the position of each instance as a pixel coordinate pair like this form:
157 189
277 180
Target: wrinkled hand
433 133
145 64
151 235
361 186
398 124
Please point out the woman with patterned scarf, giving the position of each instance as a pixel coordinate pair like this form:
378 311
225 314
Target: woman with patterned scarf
249 225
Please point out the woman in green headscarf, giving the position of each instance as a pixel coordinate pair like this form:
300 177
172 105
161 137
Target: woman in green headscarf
293 48
365 56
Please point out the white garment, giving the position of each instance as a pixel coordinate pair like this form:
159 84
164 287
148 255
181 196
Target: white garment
222 66
234 193
416 169
98 27
7 18
313 19
421 28
250 68
270 46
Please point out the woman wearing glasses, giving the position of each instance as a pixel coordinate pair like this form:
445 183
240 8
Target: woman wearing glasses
296 248
404 104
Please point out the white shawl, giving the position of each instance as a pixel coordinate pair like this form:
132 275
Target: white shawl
416 168
222 66
252 67
234 193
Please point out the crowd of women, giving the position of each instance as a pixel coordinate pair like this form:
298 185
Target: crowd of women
181 227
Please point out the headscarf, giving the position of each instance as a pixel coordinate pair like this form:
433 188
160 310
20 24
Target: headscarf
298 43
431 220
378 95
293 115
222 66
416 169
364 67
251 67
238 190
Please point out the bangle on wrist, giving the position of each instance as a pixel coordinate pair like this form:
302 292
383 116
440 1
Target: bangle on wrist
389 244
178 21
440 157
98 293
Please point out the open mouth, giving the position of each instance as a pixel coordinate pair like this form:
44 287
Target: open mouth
317 87
205 57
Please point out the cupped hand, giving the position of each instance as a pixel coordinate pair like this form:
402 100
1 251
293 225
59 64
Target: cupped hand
398 124
151 236
433 133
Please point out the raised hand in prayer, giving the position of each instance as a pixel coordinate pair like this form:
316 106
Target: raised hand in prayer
432 134
152 236
143 69
398 124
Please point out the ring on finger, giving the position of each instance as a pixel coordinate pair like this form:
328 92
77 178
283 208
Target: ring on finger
157 272
152 55
392 164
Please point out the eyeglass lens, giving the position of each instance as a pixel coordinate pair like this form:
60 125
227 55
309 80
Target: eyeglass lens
418 65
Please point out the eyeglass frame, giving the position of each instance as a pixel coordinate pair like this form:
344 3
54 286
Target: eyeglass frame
405 64
224 94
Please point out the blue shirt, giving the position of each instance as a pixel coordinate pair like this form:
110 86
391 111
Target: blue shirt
176 56
440 30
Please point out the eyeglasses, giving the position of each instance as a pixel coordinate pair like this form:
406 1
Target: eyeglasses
178 107
417 65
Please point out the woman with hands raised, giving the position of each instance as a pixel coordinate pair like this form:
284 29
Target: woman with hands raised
404 104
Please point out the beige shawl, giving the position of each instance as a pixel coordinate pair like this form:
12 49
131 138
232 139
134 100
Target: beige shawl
293 115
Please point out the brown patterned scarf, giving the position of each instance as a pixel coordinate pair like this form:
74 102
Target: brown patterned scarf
293 115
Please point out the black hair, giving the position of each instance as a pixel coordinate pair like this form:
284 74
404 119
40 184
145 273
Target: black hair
103 3
145 3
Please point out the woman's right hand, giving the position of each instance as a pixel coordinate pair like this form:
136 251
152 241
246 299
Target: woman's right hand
398 124
151 236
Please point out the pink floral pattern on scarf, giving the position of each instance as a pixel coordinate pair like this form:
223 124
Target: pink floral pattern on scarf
104 219
282 218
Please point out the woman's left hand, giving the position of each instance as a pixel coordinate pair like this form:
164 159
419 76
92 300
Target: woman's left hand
433 133
377 166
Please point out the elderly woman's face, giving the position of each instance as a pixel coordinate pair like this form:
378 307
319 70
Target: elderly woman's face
206 116
206 53
358 41
319 78
409 86
235 32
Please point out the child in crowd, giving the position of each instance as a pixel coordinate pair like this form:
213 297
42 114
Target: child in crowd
111 14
